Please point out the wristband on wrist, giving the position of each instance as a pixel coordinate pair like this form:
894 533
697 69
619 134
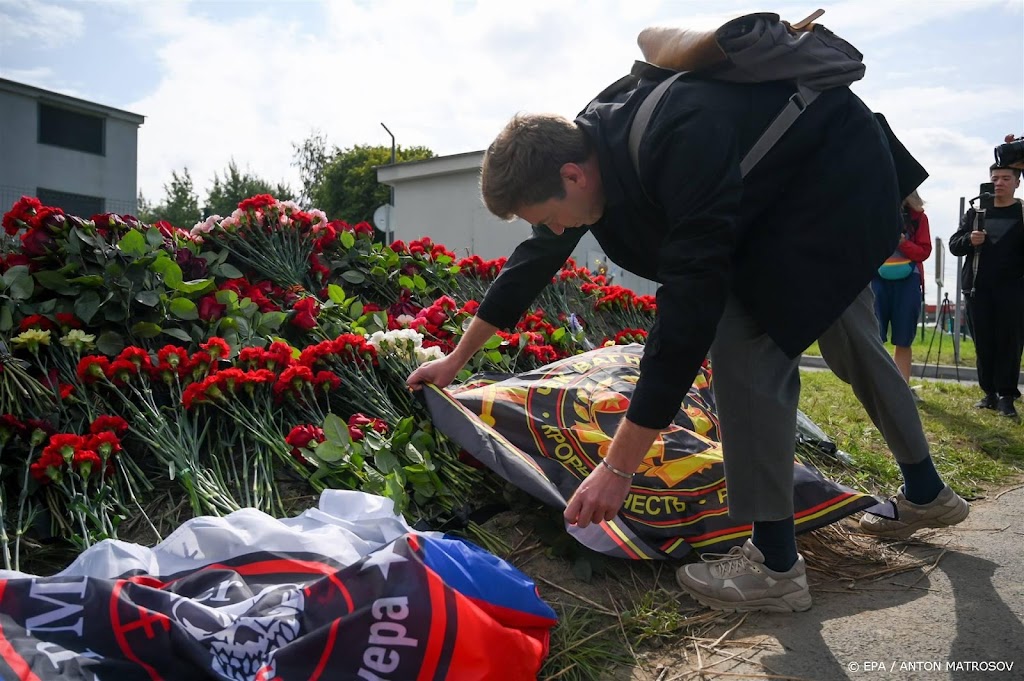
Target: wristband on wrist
613 469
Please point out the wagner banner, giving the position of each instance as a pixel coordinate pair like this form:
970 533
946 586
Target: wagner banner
545 430
342 591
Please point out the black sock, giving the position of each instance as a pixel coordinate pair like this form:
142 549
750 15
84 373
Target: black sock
776 539
921 482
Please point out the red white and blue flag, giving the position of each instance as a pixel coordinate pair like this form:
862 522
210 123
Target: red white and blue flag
343 591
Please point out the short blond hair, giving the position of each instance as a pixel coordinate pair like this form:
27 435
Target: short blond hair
522 167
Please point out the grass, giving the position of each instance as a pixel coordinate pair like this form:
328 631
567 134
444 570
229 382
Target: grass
973 449
933 348
976 451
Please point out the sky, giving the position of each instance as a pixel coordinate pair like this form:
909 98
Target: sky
236 79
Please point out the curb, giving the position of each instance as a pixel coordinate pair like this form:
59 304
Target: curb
942 372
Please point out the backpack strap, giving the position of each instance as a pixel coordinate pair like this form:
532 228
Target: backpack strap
796 105
643 118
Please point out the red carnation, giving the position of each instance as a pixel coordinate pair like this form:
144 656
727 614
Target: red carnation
306 311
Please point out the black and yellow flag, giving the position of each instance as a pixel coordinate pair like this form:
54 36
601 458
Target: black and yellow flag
545 430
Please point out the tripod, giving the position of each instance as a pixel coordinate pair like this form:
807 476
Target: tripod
943 315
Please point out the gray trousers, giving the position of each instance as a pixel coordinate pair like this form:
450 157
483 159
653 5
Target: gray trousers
757 389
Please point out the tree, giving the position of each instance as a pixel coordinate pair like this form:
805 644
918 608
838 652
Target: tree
310 159
224 195
145 210
180 206
347 188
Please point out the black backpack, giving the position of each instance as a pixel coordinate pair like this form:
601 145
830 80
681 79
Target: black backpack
754 48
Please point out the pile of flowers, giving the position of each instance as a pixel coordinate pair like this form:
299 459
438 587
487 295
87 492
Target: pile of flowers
251 360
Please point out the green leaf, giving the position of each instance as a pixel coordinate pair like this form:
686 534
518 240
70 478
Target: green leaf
336 293
146 330
114 313
110 343
353 277
226 297
413 454
348 239
270 322
55 281
228 271
380 319
133 243
87 305
183 308
148 298
154 238
386 462
494 356
93 280
180 334
558 335
493 342
168 269
6 319
405 281
195 285
419 282
336 430
329 452
395 490
19 282
356 311
378 271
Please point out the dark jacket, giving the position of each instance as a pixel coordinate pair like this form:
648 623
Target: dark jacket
1000 256
796 241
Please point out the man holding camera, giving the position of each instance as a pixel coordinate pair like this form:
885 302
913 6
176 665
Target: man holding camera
993 282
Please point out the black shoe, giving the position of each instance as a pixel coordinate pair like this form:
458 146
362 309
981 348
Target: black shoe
1005 407
988 402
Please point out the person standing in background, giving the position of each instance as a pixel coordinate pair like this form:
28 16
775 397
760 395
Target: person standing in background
994 290
899 283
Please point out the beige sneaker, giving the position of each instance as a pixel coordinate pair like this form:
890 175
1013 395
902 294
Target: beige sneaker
738 581
907 518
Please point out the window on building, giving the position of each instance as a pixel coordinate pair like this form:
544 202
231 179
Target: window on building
73 204
71 129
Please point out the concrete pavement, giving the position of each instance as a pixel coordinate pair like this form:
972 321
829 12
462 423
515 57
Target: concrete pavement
961 617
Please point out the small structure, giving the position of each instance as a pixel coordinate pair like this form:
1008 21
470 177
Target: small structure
440 198
72 153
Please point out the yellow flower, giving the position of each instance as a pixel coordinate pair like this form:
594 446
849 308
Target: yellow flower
78 340
31 339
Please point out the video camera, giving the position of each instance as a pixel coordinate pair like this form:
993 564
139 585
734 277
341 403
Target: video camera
1009 153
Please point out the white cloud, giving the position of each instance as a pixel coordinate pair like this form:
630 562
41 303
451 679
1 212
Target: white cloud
448 76
39 23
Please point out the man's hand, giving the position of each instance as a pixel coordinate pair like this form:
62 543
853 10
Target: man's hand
977 238
599 497
440 372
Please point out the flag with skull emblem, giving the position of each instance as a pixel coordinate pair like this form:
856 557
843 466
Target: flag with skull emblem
345 591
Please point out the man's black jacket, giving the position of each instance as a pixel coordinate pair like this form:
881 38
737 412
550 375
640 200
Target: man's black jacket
796 240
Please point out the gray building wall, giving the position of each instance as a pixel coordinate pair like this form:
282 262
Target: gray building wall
440 198
26 165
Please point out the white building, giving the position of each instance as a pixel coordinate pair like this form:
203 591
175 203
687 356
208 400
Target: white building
68 152
440 198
